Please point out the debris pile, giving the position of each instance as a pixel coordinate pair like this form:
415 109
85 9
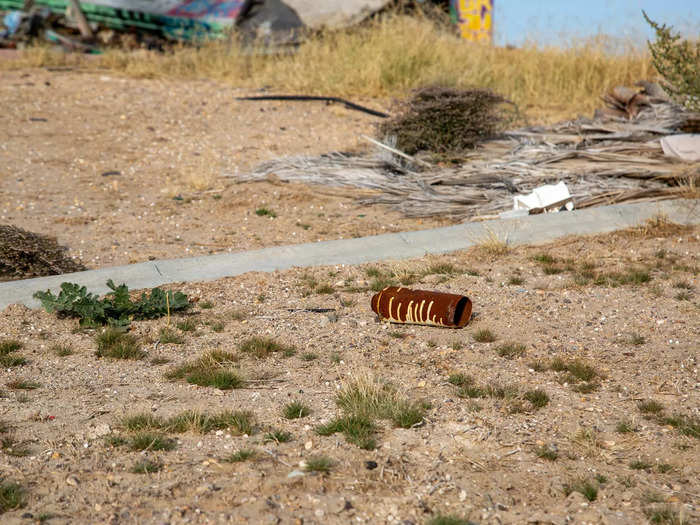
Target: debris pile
445 121
24 254
604 160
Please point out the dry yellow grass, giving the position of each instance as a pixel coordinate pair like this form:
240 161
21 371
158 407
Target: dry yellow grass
386 58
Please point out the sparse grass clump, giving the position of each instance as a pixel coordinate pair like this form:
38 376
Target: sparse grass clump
7 346
8 359
511 350
241 455
262 347
309 356
637 339
295 410
11 496
115 344
62 350
187 325
23 384
321 464
359 430
686 425
141 421
279 436
146 466
149 441
215 368
448 520
484 335
625 427
584 377
640 465
516 280
588 488
240 422
650 407
665 515
548 453
265 212
460 379
538 398
169 336
441 268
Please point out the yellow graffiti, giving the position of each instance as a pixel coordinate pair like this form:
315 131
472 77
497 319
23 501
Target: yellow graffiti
475 19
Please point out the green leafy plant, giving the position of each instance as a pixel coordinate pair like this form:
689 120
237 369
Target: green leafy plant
677 61
116 308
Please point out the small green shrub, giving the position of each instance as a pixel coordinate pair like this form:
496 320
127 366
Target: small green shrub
295 410
319 464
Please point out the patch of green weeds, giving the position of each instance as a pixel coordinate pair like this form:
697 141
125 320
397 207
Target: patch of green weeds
237 315
637 339
241 422
683 285
115 344
548 453
448 520
625 427
325 289
456 345
665 515
169 336
484 335
538 398
12 496
588 488
336 358
295 410
511 350
241 455
23 384
551 269
686 425
516 280
303 226
358 430
398 335
115 309
537 366
460 379
664 468
7 346
321 464
279 436
141 421
544 258
215 368
187 325
309 356
586 387
146 466
640 465
156 361
206 305
442 269
262 347
265 212
650 407
62 350
218 327
8 359
149 441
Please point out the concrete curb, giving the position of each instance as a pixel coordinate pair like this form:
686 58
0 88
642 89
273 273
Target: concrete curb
532 229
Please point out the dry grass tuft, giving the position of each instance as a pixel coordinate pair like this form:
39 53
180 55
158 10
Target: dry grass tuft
387 57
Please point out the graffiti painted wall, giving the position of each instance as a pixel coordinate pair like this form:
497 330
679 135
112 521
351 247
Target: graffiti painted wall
474 19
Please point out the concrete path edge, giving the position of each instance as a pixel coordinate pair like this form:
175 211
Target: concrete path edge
533 229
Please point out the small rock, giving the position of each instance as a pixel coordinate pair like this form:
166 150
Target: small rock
295 474
72 481
370 465
308 445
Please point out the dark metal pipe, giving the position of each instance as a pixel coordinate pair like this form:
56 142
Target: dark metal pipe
402 305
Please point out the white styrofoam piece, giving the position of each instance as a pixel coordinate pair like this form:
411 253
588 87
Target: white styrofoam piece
685 146
549 197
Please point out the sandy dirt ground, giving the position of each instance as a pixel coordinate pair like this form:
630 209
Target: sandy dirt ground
123 170
489 459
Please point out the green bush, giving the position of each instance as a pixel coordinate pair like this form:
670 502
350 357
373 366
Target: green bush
678 61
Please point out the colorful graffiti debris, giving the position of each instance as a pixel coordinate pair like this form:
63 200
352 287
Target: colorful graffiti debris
474 19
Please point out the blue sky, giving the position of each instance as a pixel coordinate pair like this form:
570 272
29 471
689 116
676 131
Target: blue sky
556 21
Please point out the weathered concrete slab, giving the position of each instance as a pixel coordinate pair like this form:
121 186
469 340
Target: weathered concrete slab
526 230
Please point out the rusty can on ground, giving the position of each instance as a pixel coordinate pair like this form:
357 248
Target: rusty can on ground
402 305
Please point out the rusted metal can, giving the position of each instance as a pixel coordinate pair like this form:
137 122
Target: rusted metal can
402 305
